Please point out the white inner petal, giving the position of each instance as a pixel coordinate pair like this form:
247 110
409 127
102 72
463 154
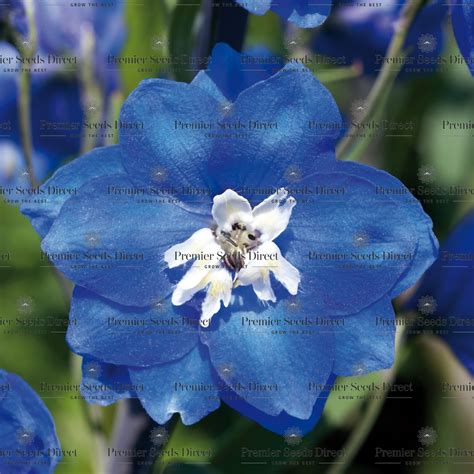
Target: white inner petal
179 254
268 258
272 215
219 290
237 251
229 207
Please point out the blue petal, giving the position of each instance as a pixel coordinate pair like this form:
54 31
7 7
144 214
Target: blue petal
352 241
111 239
303 13
282 424
169 142
184 386
418 220
285 104
26 428
450 282
67 181
104 384
203 81
365 342
257 7
233 72
125 335
463 25
284 358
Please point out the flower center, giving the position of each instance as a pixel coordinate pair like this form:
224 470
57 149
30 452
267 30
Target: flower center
238 250
236 243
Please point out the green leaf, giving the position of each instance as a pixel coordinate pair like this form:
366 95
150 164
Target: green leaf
146 24
265 30
446 145
182 37
347 395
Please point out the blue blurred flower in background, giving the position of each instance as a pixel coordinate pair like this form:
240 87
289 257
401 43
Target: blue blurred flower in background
362 33
289 255
462 13
28 440
55 100
65 28
13 14
303 13
446 291
58 101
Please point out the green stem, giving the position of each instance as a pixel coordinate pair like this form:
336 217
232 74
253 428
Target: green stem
358 436
133 433
339 74
113 112
24 103
26 49
92 101
93 418
386 78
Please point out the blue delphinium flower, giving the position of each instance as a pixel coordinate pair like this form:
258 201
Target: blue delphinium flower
220 251
55 101
303 13
462 14
13 13
64 28
362 33
28 440
446 292
56 97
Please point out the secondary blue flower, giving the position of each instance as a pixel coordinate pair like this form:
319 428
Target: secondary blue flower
56 108
462 15
55 102
303 13
446 291
13 171
64 28
28 440
13 14
220 251
362 33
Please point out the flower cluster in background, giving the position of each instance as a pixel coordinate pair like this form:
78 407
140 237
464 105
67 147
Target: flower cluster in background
66 41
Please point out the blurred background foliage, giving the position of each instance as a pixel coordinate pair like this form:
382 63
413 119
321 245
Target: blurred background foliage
35 348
